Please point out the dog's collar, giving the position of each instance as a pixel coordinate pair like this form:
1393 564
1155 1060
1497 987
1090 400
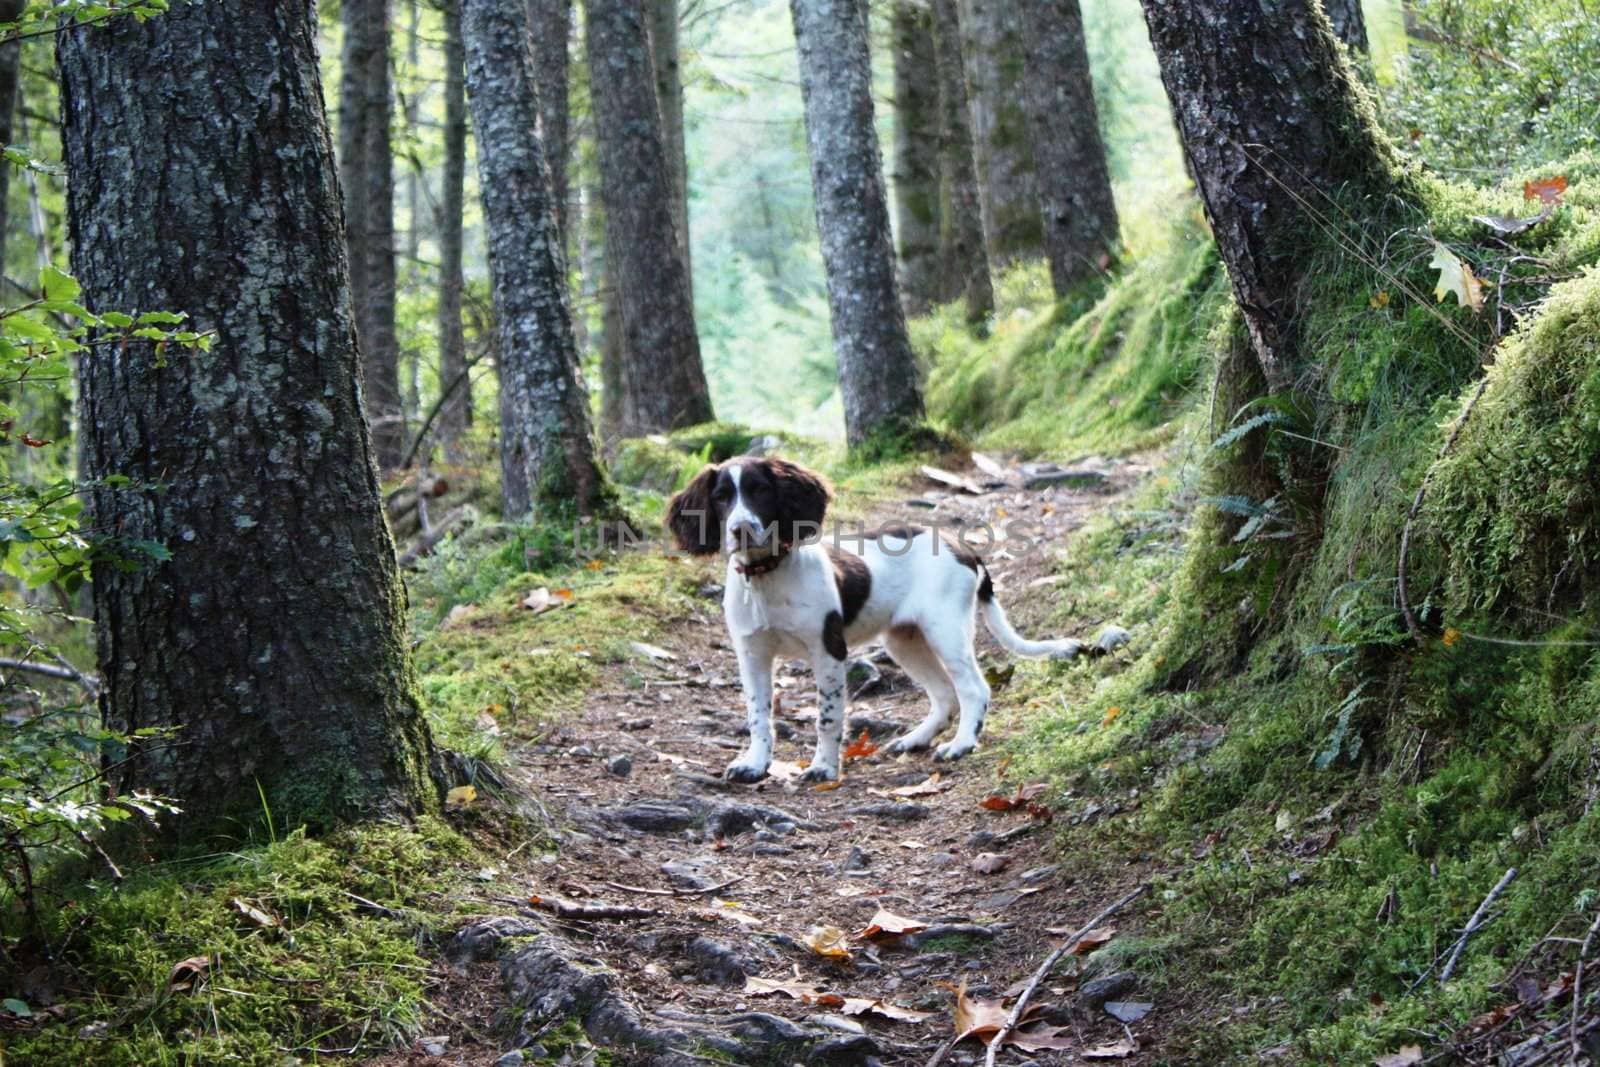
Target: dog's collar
764 565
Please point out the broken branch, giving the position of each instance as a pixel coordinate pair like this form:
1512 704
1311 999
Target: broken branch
571 909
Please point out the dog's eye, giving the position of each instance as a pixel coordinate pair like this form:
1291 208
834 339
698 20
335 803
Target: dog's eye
722 492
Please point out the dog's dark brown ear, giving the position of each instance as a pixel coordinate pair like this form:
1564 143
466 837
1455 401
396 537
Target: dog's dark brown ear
691 519
803 498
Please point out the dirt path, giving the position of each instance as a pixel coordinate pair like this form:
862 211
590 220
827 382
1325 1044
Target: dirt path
672 889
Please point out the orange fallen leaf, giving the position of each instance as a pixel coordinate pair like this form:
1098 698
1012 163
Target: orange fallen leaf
860 748
1548 190
1023 798
1112 714
1092 940
827 787
828 942
33 442
890 924
561 594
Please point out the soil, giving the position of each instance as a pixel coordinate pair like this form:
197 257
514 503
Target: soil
710 882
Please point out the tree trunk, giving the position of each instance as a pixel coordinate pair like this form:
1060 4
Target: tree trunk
548 461
1270 117
964 261
1008 190
663 16
274 638
552 30
456 414
1348 24
916 154
10 71
877 372
1076 208
366 172
665 384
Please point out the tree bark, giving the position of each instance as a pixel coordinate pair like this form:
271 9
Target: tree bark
456 414
1272 120
10 71
964 260
274 639
665 383
1348 23
877 372
663 16
1008 189
916 153
366 173
1076 208
548 461
552 31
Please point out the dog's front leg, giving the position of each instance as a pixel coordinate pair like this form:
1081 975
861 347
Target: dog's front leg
831 699
755 672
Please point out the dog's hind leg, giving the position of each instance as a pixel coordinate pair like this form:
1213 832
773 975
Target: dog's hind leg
954 648
911 651
755 672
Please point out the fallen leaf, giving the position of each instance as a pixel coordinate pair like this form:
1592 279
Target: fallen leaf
1128 1011
864 1006
1548 190
954 481
264 919
561 594
828 942
594 565
785 771
541 600
460 797
1510 226
1408 1055
1112 714
912 843
743 918
1040 1038
860 748
33 442
798 989
827 787
925 788
890 924
1455 276
1120 1051
990 862
651 651
186 974
1021 799
999 677
1380 299
1092 940
976 1017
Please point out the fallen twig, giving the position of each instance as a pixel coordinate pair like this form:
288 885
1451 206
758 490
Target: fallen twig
1021 1006
675 892
572 909
1473 924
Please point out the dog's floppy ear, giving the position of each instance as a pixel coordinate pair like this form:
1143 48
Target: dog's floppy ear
803 498
690 518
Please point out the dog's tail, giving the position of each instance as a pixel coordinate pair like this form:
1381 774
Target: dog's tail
994 616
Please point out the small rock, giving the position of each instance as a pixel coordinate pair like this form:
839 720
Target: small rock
689 874
620 765
435 1046
517 1057
893 812
856 860
941 859
637 724
989 862
710 590
1095 992
981 839
716 962
1128 1011
581 752
1039 874
1069 479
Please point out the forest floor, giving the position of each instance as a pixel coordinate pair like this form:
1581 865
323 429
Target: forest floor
679 910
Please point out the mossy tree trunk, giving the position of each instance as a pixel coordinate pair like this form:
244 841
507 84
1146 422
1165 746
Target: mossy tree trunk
551 21
1271 120
963 258
548 460
916 153
10 70
664 381
1008 188
456 414
201 180
1349 25
1076 208
667 65
877 372
366 173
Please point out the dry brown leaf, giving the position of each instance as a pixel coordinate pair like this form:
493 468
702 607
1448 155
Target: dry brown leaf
888 924
976 1017
925 788
1408 1055
827 787
990 862
864 1006
796 988
1022 798
264 919
186 974
1093 940
1039 1038
1120 1051
829 942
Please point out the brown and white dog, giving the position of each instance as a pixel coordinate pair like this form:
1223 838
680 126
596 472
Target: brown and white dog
789 593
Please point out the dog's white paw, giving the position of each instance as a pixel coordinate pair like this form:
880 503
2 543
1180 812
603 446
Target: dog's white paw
745 770
908 743
820 772
954 750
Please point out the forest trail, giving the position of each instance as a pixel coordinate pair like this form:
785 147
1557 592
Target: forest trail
683 888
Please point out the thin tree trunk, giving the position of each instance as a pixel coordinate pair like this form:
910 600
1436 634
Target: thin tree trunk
1348 23
916 153
366 168
552 31
877 372
962 254
665 384
663 16
548 461
10 70
274 638
456 414
1076 207
413 359
1008 190
1271 120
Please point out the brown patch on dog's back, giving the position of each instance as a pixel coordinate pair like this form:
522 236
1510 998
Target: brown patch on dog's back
854 581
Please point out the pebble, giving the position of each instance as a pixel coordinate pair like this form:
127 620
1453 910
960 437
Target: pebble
1094 993
435 1046
855 861
620 765
514 1058
581 752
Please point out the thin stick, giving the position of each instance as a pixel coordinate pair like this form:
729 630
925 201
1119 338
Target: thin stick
66 672
1577 985
676 892
1473 924
572 909
1049 963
